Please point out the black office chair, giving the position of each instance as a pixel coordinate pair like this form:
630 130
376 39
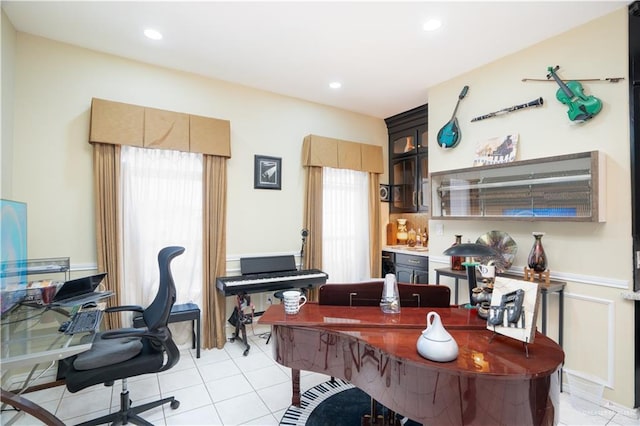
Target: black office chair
128 352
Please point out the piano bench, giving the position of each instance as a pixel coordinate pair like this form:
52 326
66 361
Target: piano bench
179 313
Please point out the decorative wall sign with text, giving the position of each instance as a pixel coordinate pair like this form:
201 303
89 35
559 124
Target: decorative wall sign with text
497 150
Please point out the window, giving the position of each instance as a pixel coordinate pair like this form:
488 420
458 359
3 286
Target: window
345 229
161 206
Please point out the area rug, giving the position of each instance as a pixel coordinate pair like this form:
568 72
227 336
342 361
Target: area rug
333 403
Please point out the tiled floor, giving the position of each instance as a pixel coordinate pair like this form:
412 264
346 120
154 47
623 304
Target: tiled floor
224 387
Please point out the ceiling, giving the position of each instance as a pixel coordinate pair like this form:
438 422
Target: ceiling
378 50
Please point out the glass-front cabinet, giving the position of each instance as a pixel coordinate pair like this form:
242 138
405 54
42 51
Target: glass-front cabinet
408 142
410 188
562 188
409 162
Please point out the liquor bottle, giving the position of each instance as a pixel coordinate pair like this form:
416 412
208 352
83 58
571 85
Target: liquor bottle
456 261
411 238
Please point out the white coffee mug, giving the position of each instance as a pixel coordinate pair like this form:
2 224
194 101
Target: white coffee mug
292 301
487 271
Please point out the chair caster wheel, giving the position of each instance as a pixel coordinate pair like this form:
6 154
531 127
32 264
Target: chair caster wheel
246 352
174 404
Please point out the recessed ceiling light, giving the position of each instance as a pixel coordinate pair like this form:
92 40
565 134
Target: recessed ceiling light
432 25
153 34
335 85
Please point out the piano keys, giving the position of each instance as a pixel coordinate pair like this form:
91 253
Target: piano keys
257 283
269 273
311 399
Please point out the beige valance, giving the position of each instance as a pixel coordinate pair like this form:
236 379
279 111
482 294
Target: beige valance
321 151
124 124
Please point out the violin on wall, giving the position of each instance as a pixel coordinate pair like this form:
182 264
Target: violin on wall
581 107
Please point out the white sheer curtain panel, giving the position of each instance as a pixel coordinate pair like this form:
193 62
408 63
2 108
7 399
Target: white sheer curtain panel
345 225
161 206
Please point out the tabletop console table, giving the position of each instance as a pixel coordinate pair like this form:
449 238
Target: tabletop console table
553 287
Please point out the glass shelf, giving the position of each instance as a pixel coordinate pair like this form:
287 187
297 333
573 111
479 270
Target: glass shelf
561 188
34 266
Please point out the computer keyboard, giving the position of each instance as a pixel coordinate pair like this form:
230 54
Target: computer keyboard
82 322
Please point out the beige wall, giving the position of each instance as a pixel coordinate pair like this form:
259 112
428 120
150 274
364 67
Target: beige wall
594 258
6 109
54 86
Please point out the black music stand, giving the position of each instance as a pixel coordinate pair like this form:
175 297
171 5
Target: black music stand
240 320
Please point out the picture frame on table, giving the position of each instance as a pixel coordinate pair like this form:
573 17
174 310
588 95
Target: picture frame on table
267 172
514 308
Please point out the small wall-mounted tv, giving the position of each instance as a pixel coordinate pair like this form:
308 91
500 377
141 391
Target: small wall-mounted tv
13 237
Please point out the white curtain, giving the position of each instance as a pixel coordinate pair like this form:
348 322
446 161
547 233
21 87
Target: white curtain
345 225
161 206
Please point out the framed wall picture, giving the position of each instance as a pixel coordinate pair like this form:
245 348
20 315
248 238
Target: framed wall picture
267 172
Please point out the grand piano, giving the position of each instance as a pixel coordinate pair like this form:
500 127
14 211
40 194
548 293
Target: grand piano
261 274
492 382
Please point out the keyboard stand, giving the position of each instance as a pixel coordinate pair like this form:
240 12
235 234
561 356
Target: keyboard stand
239 320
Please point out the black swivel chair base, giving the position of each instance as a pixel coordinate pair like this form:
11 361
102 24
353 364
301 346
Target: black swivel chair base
128 414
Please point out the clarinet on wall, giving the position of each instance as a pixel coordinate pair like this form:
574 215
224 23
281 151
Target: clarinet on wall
533 103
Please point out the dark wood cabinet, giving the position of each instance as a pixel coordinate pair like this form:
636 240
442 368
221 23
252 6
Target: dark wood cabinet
409 161
634 89
412 269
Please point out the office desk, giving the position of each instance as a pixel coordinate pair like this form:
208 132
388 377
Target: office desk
491 382
553 287
30 337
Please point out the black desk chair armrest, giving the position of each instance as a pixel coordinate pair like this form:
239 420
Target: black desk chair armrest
160 335
124 308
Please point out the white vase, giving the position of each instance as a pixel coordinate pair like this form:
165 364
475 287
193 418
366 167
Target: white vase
435 343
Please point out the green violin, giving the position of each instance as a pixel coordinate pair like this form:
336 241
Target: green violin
581 106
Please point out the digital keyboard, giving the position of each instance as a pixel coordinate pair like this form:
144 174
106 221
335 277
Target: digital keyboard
256 283
269 273
262 274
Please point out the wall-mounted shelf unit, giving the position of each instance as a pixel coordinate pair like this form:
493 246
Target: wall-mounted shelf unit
562 188
35 267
